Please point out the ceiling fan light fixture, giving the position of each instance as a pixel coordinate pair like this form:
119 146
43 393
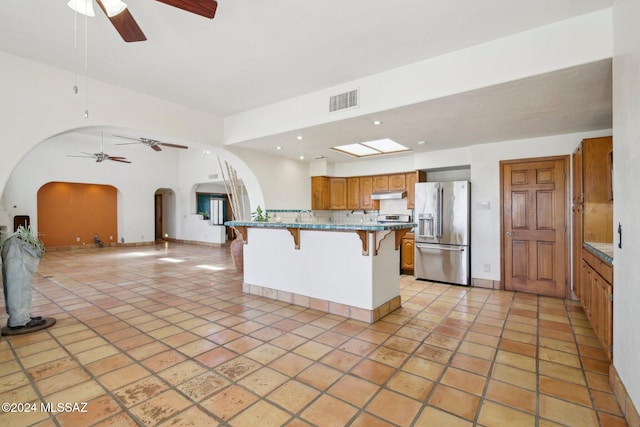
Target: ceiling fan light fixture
83 7
114 7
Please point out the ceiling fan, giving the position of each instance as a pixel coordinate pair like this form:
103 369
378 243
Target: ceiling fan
126 25
102 156
154 144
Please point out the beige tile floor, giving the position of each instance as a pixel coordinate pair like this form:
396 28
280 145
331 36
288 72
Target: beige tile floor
163 335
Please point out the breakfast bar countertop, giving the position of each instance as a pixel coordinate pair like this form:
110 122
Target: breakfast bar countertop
322 225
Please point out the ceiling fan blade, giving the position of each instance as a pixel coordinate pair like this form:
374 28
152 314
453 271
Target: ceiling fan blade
119 159
125 24
128 143
85 157
156 147
206 8
166 144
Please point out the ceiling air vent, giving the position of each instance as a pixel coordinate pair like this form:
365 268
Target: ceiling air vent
343 101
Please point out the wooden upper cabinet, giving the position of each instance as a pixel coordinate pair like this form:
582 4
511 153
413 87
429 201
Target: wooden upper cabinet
380 183
366 188
338 191
578 191
411 179
397 182
353 193
320 193
596 188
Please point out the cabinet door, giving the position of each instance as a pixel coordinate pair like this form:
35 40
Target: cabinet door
338 191
585 287
598 209
320 193
381 183
407 257
353 193
607 319
366 188
595 302
576 236
576 161
397 182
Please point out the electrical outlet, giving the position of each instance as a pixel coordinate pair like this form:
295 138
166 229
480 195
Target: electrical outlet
110 237
487 268
77 239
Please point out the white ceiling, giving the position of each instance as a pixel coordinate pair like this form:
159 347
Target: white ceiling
257 52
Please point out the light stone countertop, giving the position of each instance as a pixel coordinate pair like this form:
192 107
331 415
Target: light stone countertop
604 251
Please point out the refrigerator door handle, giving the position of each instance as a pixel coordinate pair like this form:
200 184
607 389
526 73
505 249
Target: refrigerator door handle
440 210
442 248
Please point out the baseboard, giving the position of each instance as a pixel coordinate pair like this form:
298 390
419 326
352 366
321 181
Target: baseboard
626 404
485 283
351 312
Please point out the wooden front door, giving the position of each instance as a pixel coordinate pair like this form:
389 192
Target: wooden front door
534 225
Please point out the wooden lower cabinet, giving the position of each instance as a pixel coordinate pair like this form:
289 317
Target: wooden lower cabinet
407 255
596 289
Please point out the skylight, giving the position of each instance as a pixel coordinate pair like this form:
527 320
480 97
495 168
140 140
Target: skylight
371 148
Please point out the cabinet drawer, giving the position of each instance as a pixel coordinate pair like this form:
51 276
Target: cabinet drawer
602 268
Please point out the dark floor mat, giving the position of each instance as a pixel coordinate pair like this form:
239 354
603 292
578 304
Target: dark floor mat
48 321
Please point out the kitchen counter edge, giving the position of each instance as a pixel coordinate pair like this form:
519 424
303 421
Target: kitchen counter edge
321 226
604 251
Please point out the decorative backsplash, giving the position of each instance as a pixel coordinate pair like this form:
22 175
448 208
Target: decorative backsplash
328 217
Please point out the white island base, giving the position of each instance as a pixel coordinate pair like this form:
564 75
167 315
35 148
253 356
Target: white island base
352 273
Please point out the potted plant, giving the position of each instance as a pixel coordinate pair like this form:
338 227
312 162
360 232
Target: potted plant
21 253
259 215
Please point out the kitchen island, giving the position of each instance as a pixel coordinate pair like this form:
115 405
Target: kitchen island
347 269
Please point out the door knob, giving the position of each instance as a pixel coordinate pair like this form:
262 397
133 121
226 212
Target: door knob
509 234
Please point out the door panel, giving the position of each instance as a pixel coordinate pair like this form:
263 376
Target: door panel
534 238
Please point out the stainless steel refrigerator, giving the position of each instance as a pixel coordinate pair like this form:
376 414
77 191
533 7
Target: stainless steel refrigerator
442 211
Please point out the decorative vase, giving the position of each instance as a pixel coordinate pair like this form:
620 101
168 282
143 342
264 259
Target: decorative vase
237 253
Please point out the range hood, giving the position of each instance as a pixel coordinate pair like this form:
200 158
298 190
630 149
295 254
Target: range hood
387 195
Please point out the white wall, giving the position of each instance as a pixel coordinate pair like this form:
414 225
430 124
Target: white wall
38 104
285 183
568 43
626 205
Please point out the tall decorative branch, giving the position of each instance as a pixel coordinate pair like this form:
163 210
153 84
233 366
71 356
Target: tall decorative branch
234 190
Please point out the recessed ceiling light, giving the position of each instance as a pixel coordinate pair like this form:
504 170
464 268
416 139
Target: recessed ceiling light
422 142
301 157
299 137
377 122
278 148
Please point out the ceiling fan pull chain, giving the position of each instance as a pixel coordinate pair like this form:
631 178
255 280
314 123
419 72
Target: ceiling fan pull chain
75 51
